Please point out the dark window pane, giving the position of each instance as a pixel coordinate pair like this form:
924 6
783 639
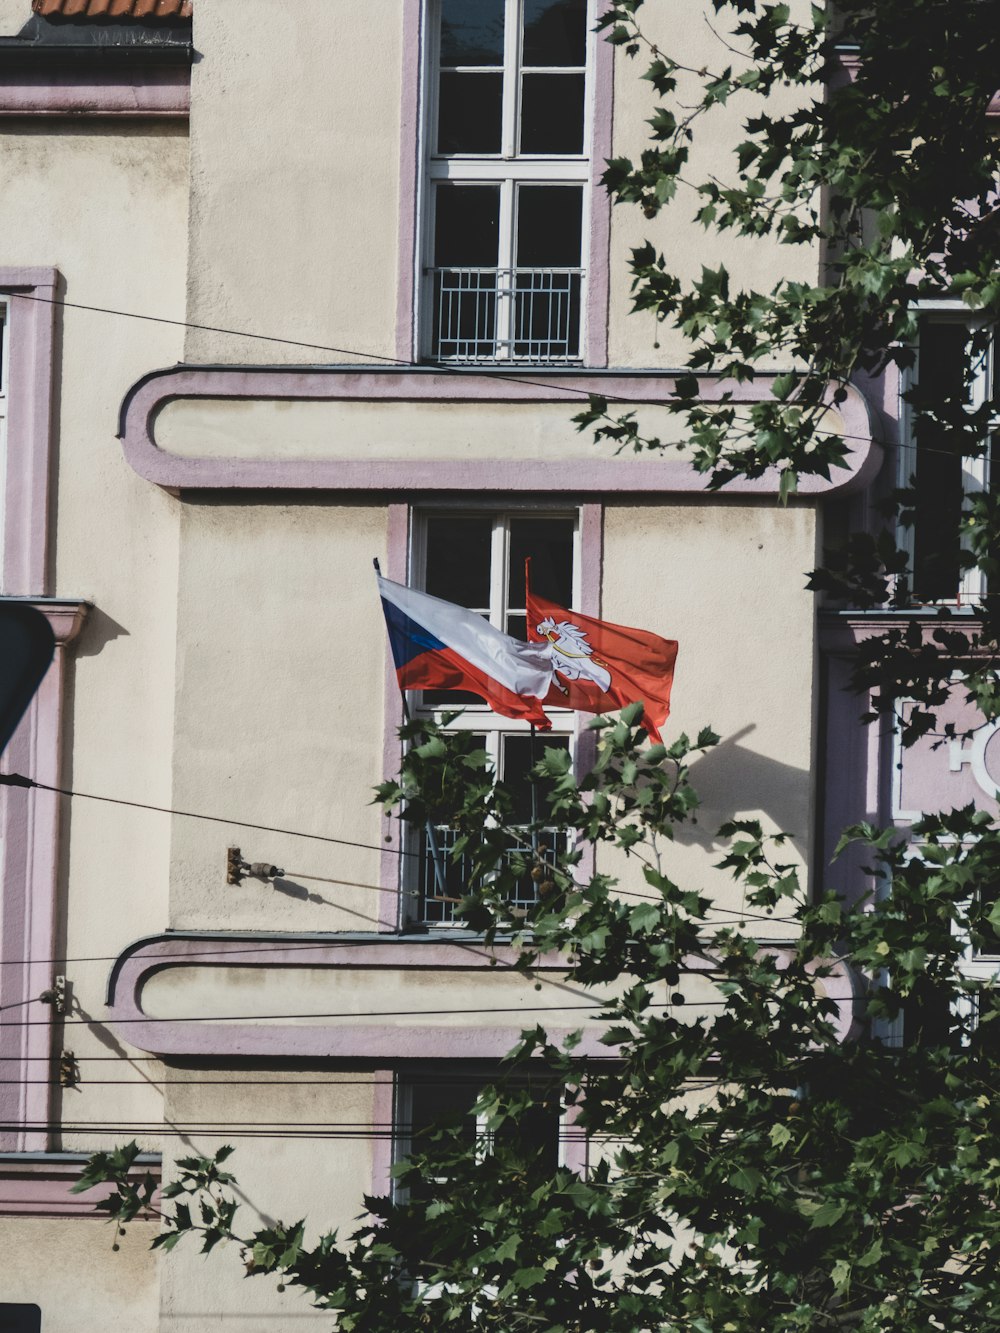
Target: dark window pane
472 32
549 220
551 113
936 567
549 543
516 764
546 315
458 569
437 1106
555 32
458 559
466 225
469 110
535 1134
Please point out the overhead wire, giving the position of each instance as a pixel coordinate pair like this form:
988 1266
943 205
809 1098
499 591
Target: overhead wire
405 363
18 781
113 1020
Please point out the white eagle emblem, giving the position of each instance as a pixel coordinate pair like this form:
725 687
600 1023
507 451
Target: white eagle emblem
571 654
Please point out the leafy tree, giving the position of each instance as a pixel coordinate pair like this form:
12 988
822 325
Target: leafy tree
751 1168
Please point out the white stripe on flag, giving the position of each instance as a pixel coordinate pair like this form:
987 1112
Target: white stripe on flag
524 668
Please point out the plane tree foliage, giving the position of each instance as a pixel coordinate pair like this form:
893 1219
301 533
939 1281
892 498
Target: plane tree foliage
791 1108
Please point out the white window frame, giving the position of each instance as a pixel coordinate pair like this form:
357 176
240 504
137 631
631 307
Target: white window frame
508 169
480 718
975 471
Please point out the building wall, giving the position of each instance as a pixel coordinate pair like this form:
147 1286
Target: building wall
66 1267
233 663
105 204
294 180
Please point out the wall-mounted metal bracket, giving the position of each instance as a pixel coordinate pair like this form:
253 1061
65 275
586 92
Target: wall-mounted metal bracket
69 1070
57 996
237 870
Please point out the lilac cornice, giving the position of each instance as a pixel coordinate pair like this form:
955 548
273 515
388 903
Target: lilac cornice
374 1041
137 427
840 632
385 1041
40 1185
147 94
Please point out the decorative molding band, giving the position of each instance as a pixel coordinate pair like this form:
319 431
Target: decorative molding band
840 632
40 1186
416 385
31 335
147 94
30 868
232 1039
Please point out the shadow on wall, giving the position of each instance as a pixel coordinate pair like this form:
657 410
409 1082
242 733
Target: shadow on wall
734 781
98 631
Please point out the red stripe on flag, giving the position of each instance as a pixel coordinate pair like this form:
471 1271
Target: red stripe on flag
444 669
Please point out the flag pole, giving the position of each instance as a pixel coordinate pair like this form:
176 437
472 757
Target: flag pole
532 754
432 842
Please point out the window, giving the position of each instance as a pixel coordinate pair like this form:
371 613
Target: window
950 362
429 1102
507 166
476 559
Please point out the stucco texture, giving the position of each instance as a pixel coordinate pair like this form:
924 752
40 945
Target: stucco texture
727 581
294 181
124 197
314 1161
687 31
66 1268
280 684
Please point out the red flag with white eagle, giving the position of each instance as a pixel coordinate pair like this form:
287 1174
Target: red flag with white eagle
599 667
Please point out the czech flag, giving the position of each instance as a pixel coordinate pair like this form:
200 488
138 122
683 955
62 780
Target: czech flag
439 646
600 667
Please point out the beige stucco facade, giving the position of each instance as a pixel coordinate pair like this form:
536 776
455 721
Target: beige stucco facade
232 662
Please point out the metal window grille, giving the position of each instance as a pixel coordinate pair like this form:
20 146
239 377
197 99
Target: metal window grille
433 909
498 314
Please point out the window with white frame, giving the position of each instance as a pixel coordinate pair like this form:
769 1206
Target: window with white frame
953 360
476 559
430 1101
507 164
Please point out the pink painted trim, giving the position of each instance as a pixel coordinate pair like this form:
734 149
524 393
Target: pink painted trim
31 373
149 94
389 1041
28 892
599 247
591 558
383 1145
409 178
373 1041
591 583
603 475
390 911
42 1189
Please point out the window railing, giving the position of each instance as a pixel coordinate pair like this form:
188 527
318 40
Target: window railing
434 908
501 314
